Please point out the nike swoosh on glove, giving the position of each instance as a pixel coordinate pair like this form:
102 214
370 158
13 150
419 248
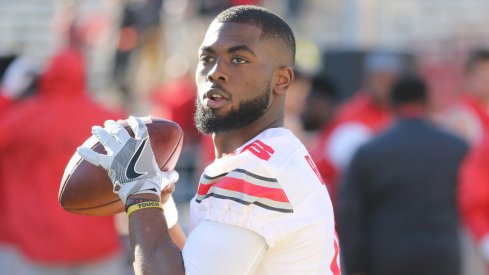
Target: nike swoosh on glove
130 162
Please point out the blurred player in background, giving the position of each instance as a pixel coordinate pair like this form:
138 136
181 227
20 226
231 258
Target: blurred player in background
320 105
469 117
39 136
474 197
358 119
397 202
261 206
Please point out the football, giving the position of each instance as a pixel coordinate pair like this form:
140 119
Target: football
86 189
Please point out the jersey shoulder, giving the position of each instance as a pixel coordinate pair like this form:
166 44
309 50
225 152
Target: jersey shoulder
250 176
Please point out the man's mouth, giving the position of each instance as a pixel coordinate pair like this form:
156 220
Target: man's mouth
215 98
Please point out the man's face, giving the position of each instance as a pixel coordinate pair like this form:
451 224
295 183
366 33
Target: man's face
478 80
380 83
233 76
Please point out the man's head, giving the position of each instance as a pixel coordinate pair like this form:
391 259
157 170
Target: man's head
477 74
321 102
245 67
409 96
272 26
381 70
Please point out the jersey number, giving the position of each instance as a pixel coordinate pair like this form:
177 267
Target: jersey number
260 150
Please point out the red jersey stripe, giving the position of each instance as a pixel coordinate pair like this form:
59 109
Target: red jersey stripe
245 187
335 266
204 188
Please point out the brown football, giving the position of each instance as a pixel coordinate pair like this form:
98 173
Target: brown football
86 189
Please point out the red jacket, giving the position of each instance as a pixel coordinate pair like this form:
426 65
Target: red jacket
361 108
5 103
176 101
38 137
474 190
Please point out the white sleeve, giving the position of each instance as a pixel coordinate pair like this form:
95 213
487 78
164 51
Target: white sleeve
221 249
484 247
171 212
344 142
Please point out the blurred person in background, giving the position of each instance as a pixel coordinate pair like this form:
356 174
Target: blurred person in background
17 78
358 119
469 117
139 52
320 105
39 136
397 201
474 196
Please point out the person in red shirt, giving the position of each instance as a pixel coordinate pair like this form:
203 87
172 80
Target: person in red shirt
469 116
39 136
358 119
474 196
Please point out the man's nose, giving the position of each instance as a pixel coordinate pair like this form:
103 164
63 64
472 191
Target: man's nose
217 72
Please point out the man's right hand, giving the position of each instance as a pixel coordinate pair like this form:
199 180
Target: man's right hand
130 162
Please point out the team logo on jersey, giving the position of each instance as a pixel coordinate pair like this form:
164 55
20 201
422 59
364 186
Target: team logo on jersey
246 188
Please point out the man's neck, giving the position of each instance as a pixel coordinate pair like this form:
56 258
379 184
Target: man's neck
226 143
411 110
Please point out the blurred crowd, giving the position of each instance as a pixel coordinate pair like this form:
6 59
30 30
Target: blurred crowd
404 157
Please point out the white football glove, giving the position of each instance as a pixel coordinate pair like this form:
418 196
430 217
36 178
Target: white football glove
130 162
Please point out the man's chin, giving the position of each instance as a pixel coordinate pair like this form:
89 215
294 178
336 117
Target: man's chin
217 114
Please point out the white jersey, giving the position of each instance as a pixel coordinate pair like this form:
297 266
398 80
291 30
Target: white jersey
271 186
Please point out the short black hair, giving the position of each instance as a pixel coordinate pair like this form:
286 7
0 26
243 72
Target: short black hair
476 56
271 24
408 89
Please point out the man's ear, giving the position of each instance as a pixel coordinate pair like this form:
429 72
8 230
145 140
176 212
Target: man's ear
285 75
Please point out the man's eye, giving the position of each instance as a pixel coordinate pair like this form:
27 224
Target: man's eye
239 60
205 59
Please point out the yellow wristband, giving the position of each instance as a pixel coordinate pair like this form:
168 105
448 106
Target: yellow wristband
144 205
